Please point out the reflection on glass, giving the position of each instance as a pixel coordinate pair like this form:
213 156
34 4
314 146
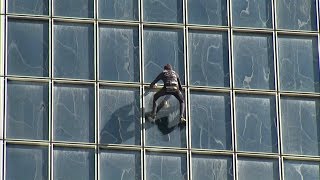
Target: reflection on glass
74 8
297 170
73 115
300 125
206 167
73 163
208 56
28 53
124 165
257 168
38 7
118 9
253 61
119 116
210 120
26 162
299 64
27 113
162 46
162 11
119 53
166 166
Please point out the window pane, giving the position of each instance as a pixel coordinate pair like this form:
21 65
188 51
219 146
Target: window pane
119 116
27 110
253 61
252 13
118 9
299 66
74 8
28 53
39 7
256 123
163 11
297 170
166 166
209 62
124 165
207 167
162 46
257 168
119 53
296 14
73 115
300 125
210 121
73 163
208 12
74 51
26 162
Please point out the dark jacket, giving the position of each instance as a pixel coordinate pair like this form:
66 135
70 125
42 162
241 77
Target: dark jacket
169 78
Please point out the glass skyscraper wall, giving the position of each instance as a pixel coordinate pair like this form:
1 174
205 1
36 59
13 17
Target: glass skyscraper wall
75 78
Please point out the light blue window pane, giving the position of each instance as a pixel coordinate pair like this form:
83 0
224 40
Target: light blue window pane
73 163
28 43
166 166
252 13
299 64
166 130
210 121
26 162
74 8
257 168
119 116
38 7
124 165
296 14
119 53
208 12
253 61
207 167
162 11
27 110
300 125
118 9
162 46
297 170
208 56
73 116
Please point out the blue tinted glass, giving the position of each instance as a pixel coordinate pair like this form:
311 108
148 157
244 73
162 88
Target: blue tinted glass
119 53
257 168
124 165
162 11
207 167
73 51
297 170
296 14
209 62
119 116
73 115
28 53
166 166
27 110
118 9
74 8
256 123
162 46
73 163
26 162
299 64
208 12
253 61
39 7
252 13
210 120
300 125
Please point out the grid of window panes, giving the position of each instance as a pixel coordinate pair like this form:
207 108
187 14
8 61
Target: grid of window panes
75 78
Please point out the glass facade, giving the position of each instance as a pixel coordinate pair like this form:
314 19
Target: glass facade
74 89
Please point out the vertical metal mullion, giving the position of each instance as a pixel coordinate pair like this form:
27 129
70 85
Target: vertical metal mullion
143 132
317 14
97 85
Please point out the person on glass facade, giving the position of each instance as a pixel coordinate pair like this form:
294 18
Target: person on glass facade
172 86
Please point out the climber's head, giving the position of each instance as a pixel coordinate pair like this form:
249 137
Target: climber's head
167 67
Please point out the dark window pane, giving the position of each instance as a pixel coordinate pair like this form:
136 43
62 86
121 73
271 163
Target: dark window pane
162 11
118 9
74 8
297 170
39 7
